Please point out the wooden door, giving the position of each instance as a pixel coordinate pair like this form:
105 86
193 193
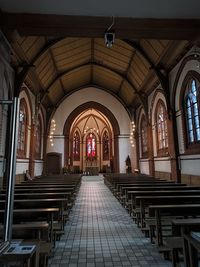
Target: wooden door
53 163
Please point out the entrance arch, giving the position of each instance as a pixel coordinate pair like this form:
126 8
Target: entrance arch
105 111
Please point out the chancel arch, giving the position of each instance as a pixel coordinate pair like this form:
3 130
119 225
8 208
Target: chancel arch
91 122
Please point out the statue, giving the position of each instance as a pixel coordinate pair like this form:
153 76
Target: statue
128 165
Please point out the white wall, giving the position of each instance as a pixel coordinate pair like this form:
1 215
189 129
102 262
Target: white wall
144 166
22 166
190 164
162 164
125 149
80 97
38 167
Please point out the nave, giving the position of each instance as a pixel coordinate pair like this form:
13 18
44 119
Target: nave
100 232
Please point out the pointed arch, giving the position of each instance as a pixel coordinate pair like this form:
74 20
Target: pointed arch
111 118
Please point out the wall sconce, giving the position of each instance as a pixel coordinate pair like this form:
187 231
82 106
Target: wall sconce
52 130
132 133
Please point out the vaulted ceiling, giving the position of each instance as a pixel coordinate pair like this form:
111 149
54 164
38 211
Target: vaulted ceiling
57 55
91 120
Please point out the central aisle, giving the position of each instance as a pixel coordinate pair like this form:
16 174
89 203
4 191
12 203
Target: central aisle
101 233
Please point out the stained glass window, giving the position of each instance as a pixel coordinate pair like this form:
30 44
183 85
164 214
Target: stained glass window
161 123
144 136
91 146
105 144
76 146
192 112
22 131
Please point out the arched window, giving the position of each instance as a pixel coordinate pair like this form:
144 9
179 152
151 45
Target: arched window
38 138
105 144
143 131
161 126
22 131
91 152
76 146
192 111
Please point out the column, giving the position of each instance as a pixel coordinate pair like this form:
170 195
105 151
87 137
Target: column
150 150
175 173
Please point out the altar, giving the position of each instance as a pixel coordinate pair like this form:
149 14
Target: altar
91 166
92 170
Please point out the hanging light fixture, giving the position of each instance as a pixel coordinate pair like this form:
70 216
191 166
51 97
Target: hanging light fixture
109 35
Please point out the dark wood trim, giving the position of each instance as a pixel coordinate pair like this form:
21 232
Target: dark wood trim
150 150
90 26
38 155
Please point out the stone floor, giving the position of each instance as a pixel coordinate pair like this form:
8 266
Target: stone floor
101 233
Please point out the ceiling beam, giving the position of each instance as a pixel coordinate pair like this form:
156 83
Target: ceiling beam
141 97
163 78
88 64
56 69
90 26
127 71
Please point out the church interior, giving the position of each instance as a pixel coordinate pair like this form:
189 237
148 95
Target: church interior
99 133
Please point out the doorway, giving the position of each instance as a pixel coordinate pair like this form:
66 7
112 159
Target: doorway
53 162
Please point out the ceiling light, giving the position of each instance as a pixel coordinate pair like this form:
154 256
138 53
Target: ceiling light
109 39
109 35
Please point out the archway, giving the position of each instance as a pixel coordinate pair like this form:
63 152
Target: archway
70 128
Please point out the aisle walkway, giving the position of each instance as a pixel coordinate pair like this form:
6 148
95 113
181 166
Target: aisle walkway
101 233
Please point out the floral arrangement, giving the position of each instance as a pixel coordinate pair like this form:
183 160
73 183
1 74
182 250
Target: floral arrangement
91 158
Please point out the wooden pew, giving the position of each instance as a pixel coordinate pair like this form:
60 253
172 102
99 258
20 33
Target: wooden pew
33 215
123 194
49 198
191 249
158 211
143 202
130 202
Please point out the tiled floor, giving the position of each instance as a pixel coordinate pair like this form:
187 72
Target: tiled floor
101 233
